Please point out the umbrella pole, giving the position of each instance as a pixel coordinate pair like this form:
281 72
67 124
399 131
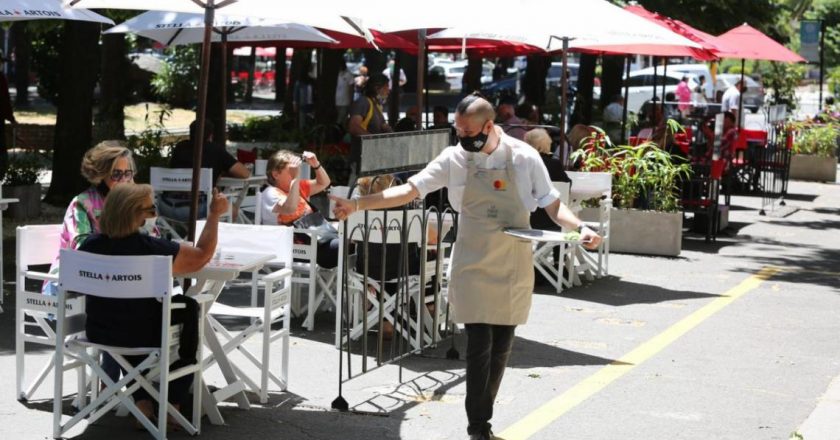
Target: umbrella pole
624 109
664 82
654 80
421 76
741 98
198 142
564 99
224 103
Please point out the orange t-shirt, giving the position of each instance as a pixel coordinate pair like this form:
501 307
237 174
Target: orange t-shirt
303 207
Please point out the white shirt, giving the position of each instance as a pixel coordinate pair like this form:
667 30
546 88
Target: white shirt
449 169
387 72
344 88
268 200
730 99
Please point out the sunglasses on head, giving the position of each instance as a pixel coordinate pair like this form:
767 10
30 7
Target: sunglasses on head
118 175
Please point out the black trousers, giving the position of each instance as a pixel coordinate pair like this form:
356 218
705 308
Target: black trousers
488 350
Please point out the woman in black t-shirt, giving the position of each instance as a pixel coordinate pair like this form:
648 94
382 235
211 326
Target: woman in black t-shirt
137 322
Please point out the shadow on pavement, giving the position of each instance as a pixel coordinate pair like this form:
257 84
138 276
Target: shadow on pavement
613 291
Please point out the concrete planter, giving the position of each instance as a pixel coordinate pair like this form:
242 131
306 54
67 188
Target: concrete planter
646 232
810 167
29 201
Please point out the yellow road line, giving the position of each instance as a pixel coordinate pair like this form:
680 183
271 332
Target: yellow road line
551 411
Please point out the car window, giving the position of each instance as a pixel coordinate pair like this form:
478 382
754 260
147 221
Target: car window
669 81
457 69
639 80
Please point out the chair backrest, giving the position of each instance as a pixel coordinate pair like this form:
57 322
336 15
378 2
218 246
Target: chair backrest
109 276
589 185
565 189
180 179
392 220
269 239
37 244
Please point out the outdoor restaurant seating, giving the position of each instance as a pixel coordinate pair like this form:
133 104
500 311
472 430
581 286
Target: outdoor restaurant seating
151 277
319 282
701 195
264 320
37 246
178 180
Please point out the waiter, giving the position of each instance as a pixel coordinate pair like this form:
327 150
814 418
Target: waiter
494 182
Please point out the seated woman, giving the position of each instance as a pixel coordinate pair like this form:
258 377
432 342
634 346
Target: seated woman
137 322
286 199
105 166
541 141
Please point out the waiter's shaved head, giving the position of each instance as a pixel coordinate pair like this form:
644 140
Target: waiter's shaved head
476 107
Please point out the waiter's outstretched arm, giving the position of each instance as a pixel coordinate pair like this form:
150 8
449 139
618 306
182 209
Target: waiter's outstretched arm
394 196
563 216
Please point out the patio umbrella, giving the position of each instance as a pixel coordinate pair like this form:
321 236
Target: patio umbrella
551 27
310 13
19 10
748 43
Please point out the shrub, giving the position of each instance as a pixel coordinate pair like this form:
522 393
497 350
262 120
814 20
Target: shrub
818 140
177 82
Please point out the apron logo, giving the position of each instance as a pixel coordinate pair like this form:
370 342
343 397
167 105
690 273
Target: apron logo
499 185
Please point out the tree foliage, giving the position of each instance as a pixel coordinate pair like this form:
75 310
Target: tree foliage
177 82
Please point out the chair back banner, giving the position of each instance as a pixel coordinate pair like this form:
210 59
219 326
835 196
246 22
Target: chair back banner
393 152
266 239
393 220
115 276
180 179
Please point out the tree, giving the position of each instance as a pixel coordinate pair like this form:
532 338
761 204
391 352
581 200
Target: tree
110 117
325 86
78 68
215 99
533 83
472 74
177 82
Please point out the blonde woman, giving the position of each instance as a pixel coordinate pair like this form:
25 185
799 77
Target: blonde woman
136 322
286 198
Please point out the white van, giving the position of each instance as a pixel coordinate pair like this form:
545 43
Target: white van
640 86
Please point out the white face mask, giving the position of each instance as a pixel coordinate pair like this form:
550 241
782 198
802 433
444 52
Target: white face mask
149 224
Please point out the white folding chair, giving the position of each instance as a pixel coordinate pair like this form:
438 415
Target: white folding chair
275 240
124 277
36 246
371 289
178 180
588 186
308 274
544 261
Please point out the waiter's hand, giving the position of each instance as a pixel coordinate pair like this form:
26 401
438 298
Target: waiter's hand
591 240
343 207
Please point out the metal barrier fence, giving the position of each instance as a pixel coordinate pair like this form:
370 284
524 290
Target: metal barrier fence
391 276
773 166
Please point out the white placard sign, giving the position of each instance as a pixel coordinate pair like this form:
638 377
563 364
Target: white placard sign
179 179
393 152
115 276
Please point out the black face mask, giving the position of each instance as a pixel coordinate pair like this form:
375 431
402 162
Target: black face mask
473 144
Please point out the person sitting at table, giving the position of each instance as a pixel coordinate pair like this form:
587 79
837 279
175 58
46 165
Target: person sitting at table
286 199
176 205
137 322
104 166
727 140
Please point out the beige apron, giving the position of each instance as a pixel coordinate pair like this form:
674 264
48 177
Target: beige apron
492 277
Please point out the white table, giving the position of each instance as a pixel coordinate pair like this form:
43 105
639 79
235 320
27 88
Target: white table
239 189
224 267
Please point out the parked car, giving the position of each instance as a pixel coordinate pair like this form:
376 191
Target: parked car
553 77
640 86
753 97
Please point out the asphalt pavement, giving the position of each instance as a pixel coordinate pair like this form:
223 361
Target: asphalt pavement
731 340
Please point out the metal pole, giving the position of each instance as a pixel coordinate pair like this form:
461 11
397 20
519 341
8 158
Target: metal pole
822 65
741 97
421 75
624 111
223 140
664 82
564 99
654 78
200 114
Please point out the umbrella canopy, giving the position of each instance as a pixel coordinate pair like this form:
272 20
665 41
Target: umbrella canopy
174 28
310 13
748 43
706 52
545 23
18 10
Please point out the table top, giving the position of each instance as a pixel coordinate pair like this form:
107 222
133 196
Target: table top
234 181
540 235
228 265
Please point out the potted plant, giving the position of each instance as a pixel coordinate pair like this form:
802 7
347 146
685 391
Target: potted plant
646 217
814 151
21 182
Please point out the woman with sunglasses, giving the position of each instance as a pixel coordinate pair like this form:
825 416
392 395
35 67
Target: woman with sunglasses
106 165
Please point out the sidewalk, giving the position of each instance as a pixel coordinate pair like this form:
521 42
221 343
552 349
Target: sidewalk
755 368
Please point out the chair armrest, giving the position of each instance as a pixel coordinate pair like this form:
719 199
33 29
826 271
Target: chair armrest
277 275
203 298
176 306
43 276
